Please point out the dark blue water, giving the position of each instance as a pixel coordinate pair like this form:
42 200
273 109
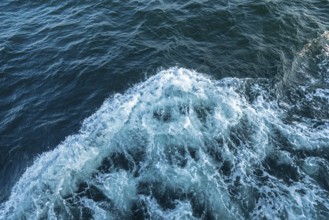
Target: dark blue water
164 110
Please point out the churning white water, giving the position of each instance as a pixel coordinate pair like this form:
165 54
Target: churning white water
182 146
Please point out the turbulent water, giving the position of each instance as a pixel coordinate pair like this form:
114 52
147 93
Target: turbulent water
213 110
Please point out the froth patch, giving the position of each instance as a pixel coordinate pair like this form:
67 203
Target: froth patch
179 145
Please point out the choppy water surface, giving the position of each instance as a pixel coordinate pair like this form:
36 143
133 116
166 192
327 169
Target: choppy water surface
164 110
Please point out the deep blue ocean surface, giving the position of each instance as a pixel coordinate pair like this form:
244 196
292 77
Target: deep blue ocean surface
156 109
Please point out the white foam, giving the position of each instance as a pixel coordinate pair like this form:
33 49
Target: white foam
179 145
